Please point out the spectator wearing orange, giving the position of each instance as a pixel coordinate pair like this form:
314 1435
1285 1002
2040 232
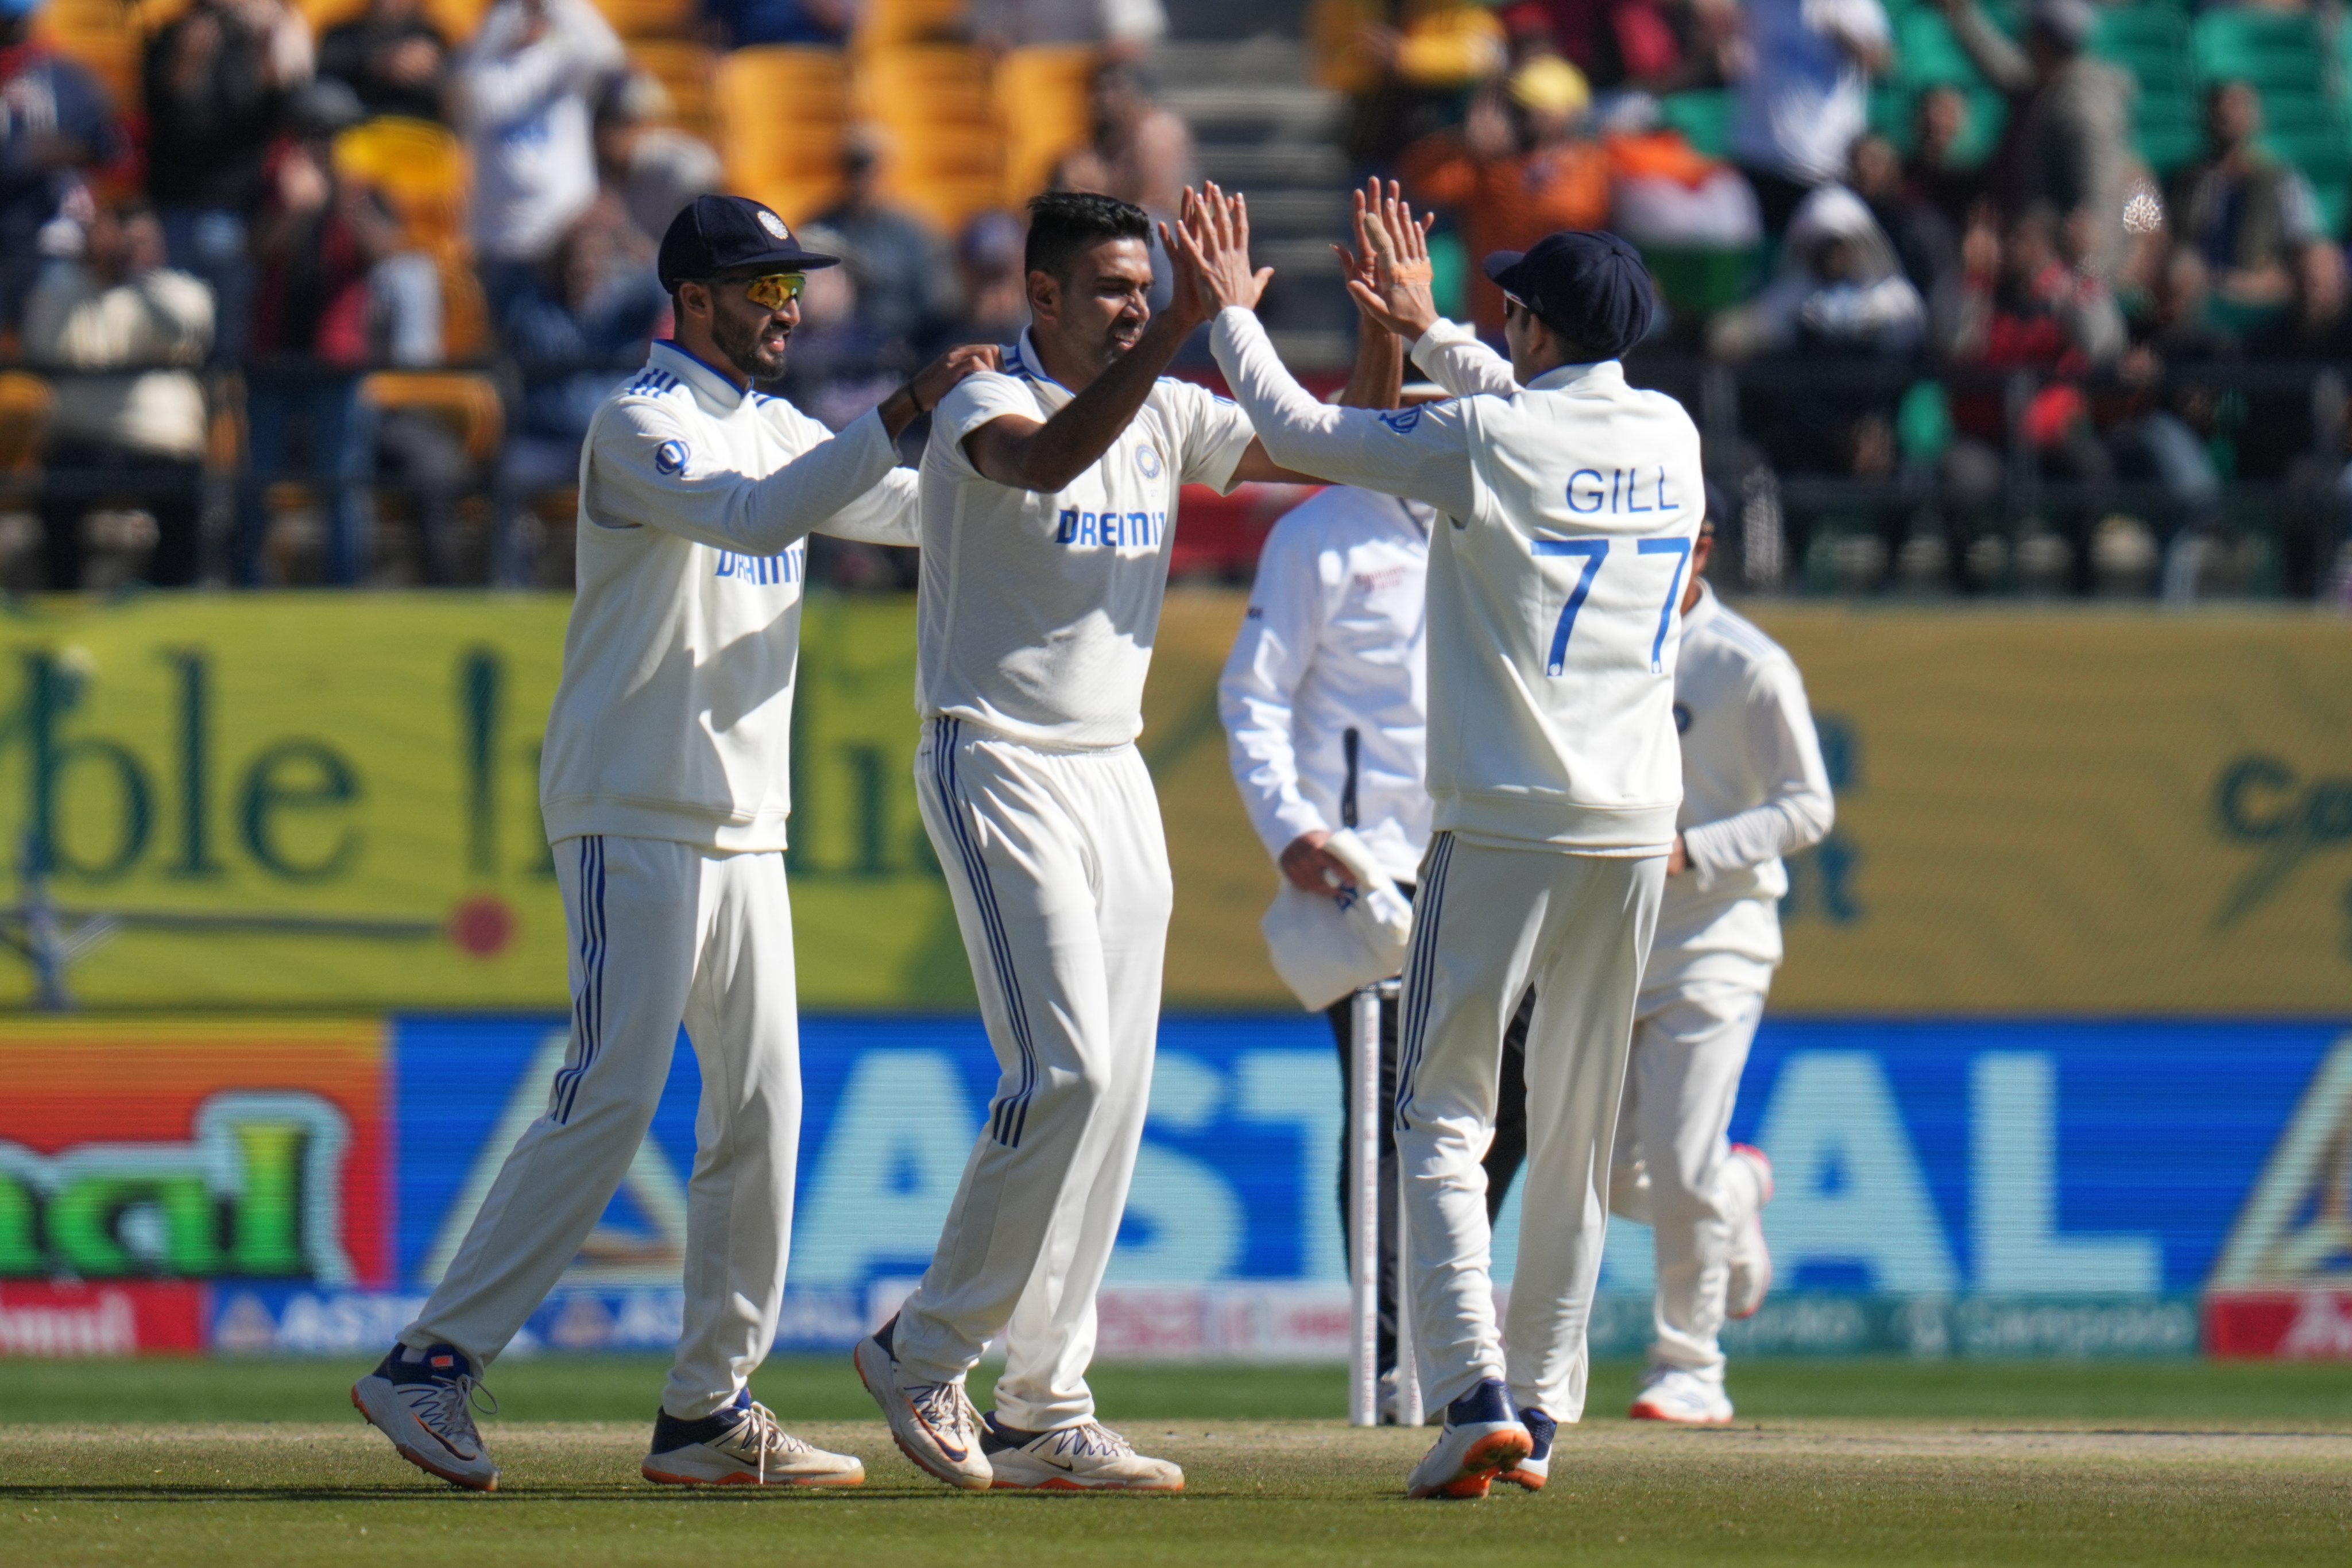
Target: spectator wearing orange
1406 64
1521 166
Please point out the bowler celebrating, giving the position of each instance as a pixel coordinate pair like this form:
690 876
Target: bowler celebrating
665 791
1048 495
1570 501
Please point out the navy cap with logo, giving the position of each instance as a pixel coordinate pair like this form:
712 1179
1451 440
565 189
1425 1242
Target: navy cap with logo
1589 285
714 234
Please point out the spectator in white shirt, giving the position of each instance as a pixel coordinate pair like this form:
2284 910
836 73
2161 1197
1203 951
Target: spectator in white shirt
1805 96
524 95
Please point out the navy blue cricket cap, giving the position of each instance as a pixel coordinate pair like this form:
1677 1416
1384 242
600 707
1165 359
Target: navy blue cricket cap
712 235
1587 285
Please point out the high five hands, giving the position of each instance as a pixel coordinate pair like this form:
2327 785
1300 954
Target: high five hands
1389 275
1212 243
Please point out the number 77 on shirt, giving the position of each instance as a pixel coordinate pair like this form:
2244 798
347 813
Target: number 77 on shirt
1594 552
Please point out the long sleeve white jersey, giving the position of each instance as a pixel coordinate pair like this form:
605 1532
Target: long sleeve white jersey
1754 789
674 715
1037 612
1554 586
1325 696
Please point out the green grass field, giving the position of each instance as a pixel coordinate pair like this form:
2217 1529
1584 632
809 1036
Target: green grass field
1830 1462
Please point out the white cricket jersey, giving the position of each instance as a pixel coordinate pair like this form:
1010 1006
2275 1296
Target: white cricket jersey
1754 789
674 715
1325 696
1038 611
1555 583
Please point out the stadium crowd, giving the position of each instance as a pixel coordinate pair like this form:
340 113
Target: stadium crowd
326 291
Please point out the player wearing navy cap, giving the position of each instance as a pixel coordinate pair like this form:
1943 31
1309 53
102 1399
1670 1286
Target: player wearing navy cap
1571 501
664 785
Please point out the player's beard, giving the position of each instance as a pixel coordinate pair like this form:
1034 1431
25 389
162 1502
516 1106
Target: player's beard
742 341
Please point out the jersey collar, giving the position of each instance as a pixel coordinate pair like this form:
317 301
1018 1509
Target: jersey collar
1599 373
698 373
1022 361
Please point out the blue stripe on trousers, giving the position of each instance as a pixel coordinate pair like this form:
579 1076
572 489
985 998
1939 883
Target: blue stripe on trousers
1010 1117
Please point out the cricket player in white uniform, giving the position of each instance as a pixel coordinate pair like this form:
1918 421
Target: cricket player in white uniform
1047 496
1570 502
664 787
1754 789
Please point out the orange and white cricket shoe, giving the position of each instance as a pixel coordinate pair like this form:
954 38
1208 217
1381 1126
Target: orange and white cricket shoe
1681 1398
742 1445
1533 1470
422 1400
1482 1435
933 1424
1085 1457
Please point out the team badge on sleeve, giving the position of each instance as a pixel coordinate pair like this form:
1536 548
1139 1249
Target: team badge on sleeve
670 457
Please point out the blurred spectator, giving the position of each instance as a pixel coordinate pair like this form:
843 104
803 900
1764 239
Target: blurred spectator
395 59
904 286
215 79
2167 427
1406 64
1145 147
1936 172
2316 328
137 435
1665 192
1656 46
654 170
1805 95
995 289
2246 214
337 293
1125 28
1522 164
1924 239
55 122
578 331
2067 145
522 92
820 24
1841 294
2026 306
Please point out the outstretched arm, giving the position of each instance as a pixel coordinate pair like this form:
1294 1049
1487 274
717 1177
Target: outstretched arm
1398 294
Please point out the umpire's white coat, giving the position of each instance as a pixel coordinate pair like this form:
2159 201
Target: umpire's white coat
663 788
1555 580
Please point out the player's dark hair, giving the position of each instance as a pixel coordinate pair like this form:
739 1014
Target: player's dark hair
1064 223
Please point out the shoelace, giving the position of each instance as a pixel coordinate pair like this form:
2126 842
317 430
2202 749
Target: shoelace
449 1405
1091 1441
759 1434
944 1409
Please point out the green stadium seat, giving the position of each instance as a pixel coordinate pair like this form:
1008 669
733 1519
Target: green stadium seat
2169 144
1927 54
1893 114
1703 116
2268 49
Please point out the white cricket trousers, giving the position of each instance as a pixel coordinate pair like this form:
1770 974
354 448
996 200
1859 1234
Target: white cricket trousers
1489 922
1674 1169
1059 871
662 934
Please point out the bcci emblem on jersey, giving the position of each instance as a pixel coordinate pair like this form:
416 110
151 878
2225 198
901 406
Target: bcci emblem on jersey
670 456
1147 459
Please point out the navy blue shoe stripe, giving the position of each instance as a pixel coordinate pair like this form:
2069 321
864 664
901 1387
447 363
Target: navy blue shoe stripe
1420 965
1010 1115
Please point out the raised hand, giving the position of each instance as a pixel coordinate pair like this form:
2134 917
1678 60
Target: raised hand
1216 236
1397 244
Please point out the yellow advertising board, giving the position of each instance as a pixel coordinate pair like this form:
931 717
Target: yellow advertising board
331 801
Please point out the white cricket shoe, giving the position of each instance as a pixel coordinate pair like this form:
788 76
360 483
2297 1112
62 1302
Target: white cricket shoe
742 1445
1681 1398
933 1424
422 1401
1087 1457
1482 1436
1752 1261
1533 1470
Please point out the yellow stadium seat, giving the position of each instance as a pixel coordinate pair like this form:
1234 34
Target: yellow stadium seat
103 36
26 404
651 19
1045 97
455 19
467 403
934 84
780 113
795 199
419 166
684 71
946 202
889 23
465 329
